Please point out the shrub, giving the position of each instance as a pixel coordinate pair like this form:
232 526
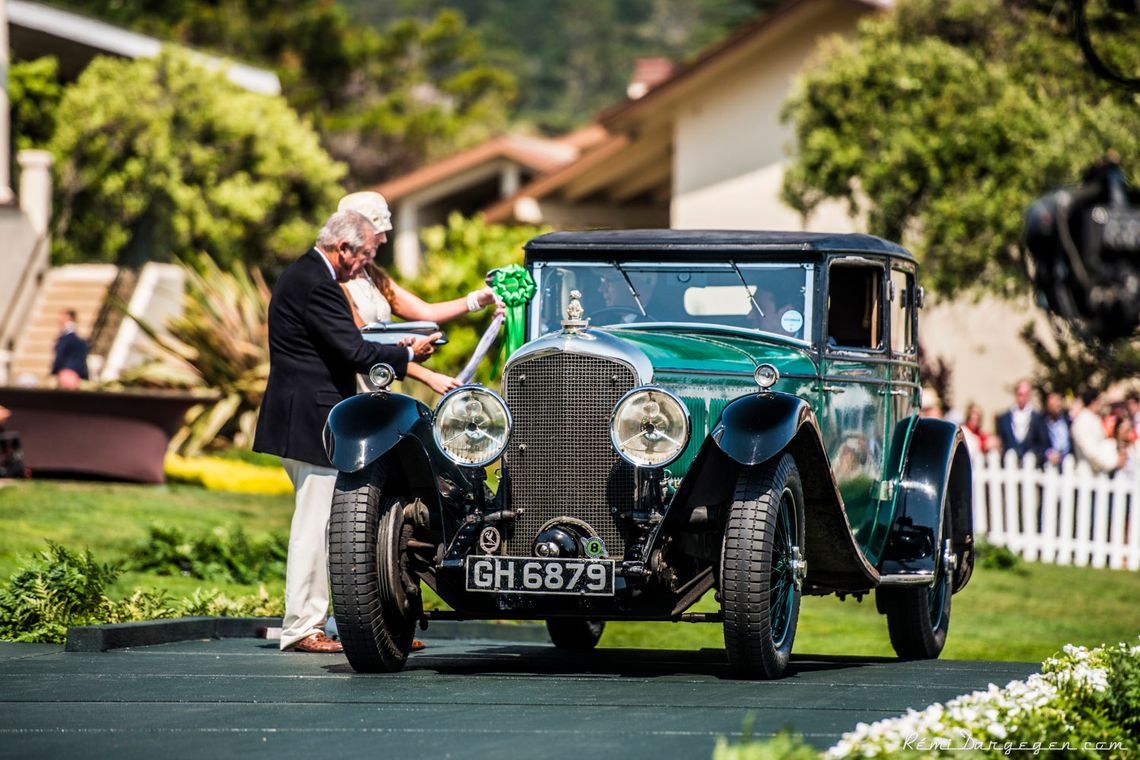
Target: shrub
227 555
782 746
59 588
994 557
55 589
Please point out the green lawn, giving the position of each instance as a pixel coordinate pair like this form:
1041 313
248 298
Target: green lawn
1026 614
108 518
1007 615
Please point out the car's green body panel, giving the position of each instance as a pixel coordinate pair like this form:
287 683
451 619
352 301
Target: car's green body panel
709 369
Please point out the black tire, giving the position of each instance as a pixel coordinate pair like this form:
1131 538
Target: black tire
375 601
760 599
918 617
575 634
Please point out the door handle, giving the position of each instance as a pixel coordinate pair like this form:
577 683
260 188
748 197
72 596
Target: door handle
834 389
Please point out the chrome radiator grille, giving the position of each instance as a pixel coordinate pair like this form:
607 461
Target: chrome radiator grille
559 461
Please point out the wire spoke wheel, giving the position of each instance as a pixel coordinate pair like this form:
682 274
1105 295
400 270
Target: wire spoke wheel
783 581
760 594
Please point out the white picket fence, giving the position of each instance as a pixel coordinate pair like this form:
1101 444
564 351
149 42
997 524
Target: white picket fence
1066 516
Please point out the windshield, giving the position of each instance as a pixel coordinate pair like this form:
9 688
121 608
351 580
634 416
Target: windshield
771 298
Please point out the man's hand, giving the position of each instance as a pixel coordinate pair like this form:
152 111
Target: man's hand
423 348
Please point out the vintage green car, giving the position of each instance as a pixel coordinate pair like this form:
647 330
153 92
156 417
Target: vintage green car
694 411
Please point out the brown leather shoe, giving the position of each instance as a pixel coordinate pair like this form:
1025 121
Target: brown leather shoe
417 645
318 643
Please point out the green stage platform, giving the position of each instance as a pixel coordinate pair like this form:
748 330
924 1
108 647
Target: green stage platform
458 699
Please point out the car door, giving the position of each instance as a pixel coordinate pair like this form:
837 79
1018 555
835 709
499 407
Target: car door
856 386
904 394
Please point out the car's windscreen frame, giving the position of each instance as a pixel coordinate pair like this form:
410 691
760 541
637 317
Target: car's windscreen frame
544 318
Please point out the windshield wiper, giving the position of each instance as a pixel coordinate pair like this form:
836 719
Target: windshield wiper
632 290
747 289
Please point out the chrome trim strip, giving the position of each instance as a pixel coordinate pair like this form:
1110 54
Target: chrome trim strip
727 373
924 578
588 342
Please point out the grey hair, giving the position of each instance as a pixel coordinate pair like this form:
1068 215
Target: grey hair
344 225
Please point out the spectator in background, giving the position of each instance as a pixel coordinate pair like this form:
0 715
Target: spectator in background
931 405
70 364
4 416
1022 428
1132 402
1057 423
1125 437
1090 444
973 424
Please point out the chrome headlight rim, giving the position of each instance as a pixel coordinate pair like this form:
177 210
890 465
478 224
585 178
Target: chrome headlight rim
766 376
684 415
481 390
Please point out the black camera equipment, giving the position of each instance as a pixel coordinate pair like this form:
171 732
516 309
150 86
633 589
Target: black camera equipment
1083 253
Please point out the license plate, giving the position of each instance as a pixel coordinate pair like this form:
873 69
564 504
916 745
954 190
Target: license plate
524 575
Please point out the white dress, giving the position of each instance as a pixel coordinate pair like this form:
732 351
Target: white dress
372 306
369 301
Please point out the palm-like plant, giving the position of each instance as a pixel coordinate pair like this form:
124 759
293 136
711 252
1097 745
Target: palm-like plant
219 343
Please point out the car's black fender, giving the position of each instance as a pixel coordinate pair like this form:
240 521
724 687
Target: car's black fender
936 476
752 430
397 429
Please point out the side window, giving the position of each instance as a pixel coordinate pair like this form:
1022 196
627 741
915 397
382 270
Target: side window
854 306
902 312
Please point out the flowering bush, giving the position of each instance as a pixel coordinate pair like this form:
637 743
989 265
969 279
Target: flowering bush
1083 702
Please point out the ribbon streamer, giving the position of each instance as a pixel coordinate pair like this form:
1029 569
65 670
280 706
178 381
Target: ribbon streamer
481 350
515 287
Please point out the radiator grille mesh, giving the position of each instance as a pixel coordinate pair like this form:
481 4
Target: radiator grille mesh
561 405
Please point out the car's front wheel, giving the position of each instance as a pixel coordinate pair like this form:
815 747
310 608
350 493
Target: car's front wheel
375 599
576 634
760 591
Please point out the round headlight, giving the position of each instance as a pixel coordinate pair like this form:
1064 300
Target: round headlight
766 376
650 427
471 425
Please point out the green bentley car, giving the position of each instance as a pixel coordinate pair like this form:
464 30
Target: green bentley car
692 412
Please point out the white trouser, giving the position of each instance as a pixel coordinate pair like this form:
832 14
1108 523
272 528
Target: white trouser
306 568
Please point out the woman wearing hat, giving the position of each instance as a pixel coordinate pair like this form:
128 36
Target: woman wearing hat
376 297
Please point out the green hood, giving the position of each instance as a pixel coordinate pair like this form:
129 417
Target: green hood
707 351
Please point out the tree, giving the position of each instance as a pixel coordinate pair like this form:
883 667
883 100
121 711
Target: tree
163 158
574 57
34 93
943 120
384 98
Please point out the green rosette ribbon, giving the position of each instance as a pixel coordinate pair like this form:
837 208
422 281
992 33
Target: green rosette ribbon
515 287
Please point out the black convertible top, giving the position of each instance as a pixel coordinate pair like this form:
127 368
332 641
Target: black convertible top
657 244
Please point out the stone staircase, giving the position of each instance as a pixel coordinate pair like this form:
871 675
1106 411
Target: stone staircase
82 287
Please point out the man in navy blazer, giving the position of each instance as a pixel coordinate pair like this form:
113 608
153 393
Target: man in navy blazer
1022 428
315 353
70 363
